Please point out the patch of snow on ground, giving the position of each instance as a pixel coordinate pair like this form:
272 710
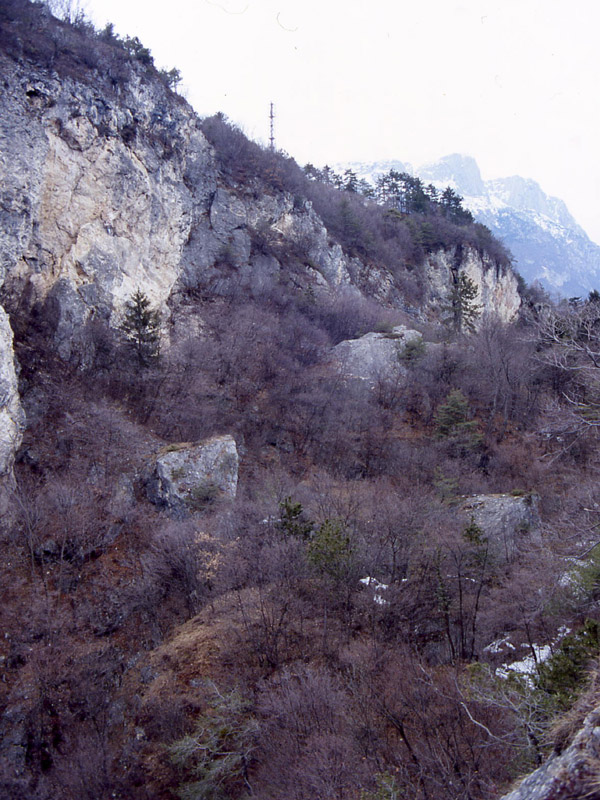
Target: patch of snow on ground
377 587
526 668
499 645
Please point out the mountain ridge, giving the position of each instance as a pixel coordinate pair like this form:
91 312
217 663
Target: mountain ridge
548 244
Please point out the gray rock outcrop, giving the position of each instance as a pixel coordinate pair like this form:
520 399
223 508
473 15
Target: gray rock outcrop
12 418
374 356
189 476
498 287
507 521
574 773
104 193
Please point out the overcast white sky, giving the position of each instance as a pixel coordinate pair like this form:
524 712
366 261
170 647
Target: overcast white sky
513 83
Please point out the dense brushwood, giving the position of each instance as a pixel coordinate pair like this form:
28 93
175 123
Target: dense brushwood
238 651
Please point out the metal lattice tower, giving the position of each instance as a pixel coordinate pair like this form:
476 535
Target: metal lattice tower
272 127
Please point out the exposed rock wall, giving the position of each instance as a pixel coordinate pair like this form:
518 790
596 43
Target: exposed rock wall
498 287
508 522
92 207
11 414
102 195
574 773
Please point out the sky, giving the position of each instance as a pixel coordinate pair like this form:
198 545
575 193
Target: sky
512 83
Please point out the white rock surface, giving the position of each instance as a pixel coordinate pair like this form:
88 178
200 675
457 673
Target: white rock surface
374 356
12 418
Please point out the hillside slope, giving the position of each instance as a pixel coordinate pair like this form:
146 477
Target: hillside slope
292 480
110 185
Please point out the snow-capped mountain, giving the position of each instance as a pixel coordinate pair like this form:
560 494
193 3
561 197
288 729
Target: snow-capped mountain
547 243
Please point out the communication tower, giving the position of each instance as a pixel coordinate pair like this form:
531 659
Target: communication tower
272 127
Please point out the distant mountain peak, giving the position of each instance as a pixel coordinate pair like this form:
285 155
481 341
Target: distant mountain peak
546 241
458 170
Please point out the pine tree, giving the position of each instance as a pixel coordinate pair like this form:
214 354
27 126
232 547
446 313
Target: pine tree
141 327
461 308
453 424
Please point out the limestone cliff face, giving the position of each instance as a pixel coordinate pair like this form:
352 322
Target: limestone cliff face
498 288
11 414
96 195
102 195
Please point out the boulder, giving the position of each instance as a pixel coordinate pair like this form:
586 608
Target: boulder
190 476
375 355
508 521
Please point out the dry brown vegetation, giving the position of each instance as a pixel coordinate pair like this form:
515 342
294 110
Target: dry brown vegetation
234 652
124 629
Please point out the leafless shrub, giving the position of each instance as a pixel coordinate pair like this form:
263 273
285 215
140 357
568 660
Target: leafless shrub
182 559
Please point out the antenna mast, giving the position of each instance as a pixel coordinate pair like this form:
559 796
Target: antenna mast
272 128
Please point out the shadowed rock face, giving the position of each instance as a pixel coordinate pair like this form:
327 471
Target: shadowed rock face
190 476
507 521
570 775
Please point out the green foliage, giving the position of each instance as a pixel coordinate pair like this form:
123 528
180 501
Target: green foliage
563 674
330 549
387 788
452 423
452 208
461 310
586 579
452 415
446 486
141 327
218 752
172 77
135 48
413 351
292 520
473 534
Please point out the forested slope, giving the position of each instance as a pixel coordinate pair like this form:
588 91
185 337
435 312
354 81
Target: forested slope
290 476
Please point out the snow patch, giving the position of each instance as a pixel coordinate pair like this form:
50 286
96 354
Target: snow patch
377 587
526 668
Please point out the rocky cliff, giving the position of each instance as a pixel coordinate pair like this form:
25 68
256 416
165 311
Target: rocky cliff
108 184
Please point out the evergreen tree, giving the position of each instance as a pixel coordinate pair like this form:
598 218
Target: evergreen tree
453 424
293 521
141 327
452 207
350 181
461 308
330 550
